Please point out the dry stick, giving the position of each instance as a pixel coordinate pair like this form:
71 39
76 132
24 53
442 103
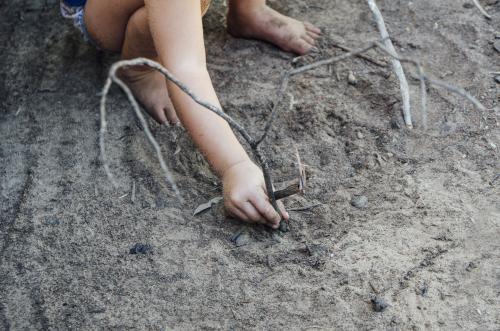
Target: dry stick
305 208
421 78
433 81
398 69
113 78
361 56
456 90
481 9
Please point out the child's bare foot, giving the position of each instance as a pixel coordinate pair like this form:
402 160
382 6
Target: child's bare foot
267 24
150 89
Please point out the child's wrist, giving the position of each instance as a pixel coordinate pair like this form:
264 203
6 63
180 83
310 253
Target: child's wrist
223 172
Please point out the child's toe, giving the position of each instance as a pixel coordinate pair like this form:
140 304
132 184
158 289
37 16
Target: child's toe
309 40
171 115
302 47
310 27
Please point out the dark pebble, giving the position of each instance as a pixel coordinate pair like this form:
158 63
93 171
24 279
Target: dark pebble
471 266
396 123
317 250
141 249
52 221
497 79
379 304
468 5
238 233
241 238
284 227
496 45
359 201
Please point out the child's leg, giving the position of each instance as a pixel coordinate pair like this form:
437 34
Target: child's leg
122 26
254 19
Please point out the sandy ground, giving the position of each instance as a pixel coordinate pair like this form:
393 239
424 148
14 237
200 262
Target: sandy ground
427 242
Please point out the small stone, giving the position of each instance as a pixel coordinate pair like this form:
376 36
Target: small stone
359 201
468 5
471 266
359 135
351 79
242 240
379 304
497 79
240 237
284 227
141 249
496 45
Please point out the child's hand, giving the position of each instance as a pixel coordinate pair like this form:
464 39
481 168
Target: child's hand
245 195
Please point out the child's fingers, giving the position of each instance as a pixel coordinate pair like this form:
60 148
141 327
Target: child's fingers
252 214
235 212
285 214
266 209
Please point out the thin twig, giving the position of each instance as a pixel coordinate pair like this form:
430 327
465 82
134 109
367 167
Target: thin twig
398 68
361 56
132 197
113 78
421 78
456 90
305 208
433 81
481 9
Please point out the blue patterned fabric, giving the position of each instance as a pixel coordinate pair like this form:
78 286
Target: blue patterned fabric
75 3
74 10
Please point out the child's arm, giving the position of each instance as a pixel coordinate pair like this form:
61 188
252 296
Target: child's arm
177 31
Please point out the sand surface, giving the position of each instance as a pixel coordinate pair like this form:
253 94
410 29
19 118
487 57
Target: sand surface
427 242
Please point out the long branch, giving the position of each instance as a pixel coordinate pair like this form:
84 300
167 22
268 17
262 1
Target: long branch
481 9
398 68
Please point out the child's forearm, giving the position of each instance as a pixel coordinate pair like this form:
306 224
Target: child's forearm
177 32
211 133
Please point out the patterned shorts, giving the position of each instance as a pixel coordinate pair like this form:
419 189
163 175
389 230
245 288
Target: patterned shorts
76 14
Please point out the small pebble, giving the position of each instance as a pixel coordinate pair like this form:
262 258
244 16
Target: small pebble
379 304
471 266
351 79
284 227
359 201
359 135
141 249
468 5
240 238
496 45
497 79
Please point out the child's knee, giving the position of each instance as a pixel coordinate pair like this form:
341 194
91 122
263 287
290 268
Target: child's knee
138 24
